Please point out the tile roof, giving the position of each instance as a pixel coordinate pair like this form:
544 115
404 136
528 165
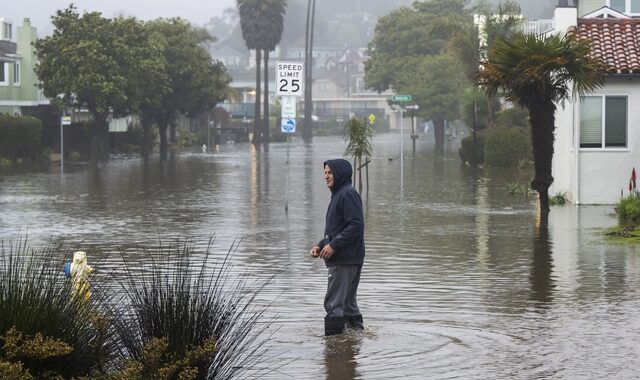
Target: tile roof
615 41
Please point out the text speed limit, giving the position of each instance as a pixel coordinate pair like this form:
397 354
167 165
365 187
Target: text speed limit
289 79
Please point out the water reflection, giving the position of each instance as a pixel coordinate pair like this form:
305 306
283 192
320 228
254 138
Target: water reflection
457 280
542 283
340 353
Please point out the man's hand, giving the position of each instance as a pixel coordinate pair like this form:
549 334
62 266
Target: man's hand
315 251
327 252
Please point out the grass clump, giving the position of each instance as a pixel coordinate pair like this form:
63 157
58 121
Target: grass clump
44 332
628 210
184 314
559 199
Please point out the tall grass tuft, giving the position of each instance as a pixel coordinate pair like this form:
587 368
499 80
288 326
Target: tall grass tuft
188 298
37 300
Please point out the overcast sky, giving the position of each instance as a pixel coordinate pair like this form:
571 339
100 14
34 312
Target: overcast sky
40 11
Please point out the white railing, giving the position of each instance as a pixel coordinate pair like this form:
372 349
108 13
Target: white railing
537 26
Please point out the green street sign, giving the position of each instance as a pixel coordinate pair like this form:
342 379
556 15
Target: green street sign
401 98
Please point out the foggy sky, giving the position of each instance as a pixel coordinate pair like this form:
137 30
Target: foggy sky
40 11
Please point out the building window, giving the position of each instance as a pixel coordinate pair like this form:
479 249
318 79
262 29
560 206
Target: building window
16 73
625 6
4 73
6 31
603 122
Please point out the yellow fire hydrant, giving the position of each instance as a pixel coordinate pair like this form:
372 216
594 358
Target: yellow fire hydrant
78 270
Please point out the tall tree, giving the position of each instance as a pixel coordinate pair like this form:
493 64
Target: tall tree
99 64
471 36
403 41
196 83
536 73
274 18
252 25
437 86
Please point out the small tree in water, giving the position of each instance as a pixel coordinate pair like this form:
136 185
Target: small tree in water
358 134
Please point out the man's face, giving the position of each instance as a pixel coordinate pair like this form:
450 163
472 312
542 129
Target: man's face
328 176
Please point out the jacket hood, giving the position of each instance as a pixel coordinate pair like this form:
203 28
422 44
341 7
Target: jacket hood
341 170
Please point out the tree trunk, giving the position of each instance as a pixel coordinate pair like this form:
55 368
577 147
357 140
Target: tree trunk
172 133
146 136
360 175
96 134
256 113
265 123
542 118
307 126
438 133
162 129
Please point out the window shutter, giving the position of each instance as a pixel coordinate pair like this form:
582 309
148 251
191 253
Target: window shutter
591 122
615 121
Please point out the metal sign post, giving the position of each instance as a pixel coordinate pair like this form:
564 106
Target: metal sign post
64 120
401 99
289 85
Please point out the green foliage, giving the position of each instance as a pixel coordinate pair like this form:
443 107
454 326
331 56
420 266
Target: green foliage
481 108
99 63
628 210
506 147
157 363
513 117
187 139
467 153
436 84
403 37
515 188
179 295
358 135
195 83
36 301
552 63
21 137
559 199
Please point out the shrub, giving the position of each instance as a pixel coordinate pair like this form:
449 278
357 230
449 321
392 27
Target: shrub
38 314
21 137
466 151
505 147
513 117
179 296
560 199
628 210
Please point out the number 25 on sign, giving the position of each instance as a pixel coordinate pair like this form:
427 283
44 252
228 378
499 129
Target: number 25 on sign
289 78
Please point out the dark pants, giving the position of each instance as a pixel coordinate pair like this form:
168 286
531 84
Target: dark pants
342 289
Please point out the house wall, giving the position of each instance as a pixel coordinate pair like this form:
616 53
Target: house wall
588 6
591 176
14 96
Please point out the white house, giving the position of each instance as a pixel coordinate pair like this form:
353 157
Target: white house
598 135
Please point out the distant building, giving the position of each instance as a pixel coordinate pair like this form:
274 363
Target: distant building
18 81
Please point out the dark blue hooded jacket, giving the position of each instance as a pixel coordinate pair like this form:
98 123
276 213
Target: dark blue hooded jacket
344 228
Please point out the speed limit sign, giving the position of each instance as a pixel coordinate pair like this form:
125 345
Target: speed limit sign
289 79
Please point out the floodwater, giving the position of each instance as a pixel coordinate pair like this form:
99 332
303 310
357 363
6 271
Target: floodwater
458 280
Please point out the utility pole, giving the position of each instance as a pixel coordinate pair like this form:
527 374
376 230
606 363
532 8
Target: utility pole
307 132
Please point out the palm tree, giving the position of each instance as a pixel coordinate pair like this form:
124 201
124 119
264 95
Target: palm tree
274 18
536 73
358 134
250 22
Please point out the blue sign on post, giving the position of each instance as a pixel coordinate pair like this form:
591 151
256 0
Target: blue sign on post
288 125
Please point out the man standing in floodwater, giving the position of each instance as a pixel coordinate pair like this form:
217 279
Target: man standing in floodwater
342 249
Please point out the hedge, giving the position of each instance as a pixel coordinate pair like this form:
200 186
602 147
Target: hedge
20 137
